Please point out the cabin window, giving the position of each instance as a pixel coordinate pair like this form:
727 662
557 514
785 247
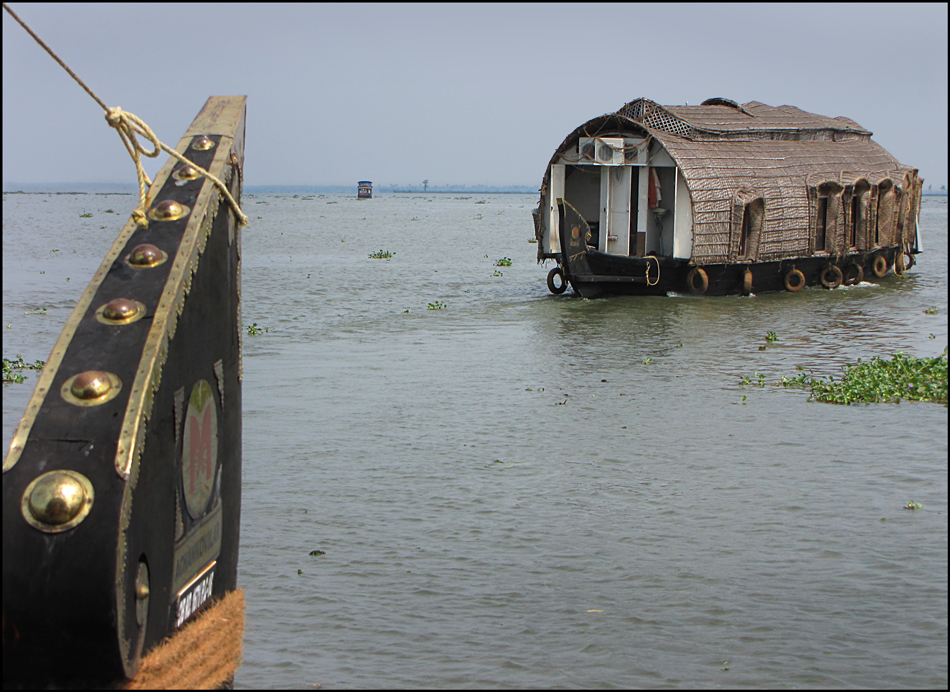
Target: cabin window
887 208
744 235
822 226
858 214
855 215
830 228
753 215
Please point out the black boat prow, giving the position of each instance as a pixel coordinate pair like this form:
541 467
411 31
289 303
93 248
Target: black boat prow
122 486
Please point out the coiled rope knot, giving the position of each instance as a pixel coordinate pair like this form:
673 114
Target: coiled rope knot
128 126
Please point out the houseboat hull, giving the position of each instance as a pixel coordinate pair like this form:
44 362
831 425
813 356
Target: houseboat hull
653 276
592 273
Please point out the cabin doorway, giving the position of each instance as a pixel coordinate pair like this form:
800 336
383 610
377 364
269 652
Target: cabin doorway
615 196
582 186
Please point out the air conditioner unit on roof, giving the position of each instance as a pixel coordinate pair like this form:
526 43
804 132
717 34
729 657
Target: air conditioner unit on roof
601 151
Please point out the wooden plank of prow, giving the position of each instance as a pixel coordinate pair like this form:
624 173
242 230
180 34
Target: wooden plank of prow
122 486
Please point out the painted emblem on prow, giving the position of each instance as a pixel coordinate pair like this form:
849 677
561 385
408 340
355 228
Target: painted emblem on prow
199 459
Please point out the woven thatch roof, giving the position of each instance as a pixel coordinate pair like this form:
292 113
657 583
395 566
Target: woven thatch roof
725 150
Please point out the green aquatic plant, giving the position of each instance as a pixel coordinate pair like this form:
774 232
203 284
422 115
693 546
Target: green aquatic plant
771 337
37 311
497 273
503 262
759 380
932 310
254 330
12 369
87 215
381 254
437 305
879 380
913 505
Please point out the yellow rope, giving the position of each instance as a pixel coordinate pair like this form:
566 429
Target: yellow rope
649 257
128 126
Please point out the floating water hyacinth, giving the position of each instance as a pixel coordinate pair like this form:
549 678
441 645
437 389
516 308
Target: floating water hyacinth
879 380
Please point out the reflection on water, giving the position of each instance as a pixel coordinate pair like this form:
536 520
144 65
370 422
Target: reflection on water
524 490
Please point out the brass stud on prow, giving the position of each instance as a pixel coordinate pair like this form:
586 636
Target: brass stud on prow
57 501
202 143
91 388
146 255
120 311
168 210
185 173
141 594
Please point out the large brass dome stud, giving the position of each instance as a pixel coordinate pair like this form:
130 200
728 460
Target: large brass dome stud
120 311
57 500
146 255
91 388
185 173
168 210
202 144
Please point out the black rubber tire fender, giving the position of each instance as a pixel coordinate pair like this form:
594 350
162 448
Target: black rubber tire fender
853 274
794 281
747 282
900 263
831 277
879 266
552 286
697 281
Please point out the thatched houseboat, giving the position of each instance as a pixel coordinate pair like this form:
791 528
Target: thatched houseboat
364 189
723 198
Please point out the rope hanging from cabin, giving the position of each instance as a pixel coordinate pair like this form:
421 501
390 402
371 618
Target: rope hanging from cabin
648 258
129 126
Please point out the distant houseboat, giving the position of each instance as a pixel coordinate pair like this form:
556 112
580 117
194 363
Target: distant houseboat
365 189
723 198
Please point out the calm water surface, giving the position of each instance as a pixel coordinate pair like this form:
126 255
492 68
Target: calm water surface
526 490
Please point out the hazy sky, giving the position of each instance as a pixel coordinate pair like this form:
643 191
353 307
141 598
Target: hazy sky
477 94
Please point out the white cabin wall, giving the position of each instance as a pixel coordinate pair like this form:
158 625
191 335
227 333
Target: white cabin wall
643 195
552 236
683 226
659 157
603 218
617 237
